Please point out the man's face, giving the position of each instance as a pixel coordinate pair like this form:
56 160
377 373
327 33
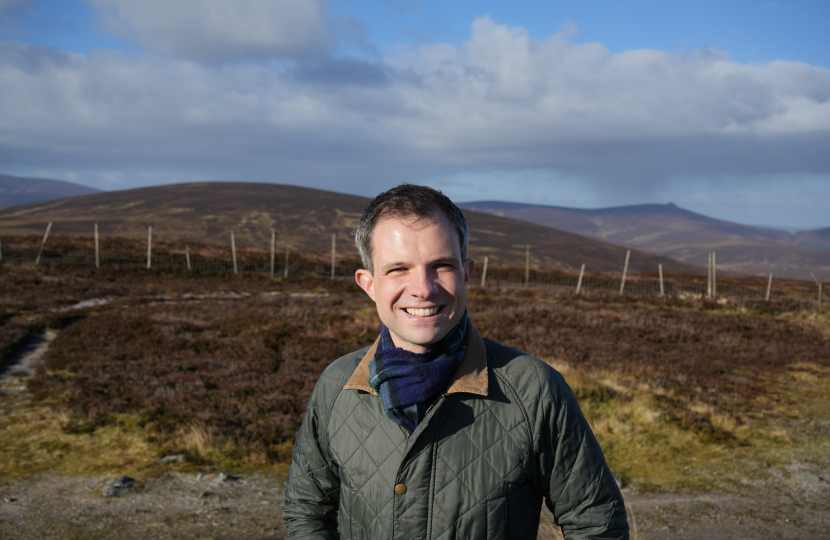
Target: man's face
419 283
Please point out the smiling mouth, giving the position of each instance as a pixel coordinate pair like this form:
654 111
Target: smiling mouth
425 312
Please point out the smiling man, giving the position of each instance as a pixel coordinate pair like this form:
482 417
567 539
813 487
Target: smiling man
434 432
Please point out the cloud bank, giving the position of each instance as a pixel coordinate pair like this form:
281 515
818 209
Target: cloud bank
299 113
218 30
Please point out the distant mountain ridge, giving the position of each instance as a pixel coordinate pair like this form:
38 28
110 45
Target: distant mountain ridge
817 239
563 218
683 235
15 190
304 219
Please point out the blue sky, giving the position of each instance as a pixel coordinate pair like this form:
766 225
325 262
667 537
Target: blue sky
750 31
722 107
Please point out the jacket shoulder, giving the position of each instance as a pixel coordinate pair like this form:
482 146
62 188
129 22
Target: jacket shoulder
531 377
334 377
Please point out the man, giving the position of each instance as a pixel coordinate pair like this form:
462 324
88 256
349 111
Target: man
434 432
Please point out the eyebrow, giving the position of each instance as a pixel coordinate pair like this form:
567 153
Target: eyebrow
397 264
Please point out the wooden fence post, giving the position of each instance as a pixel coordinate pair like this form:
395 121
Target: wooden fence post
149 246
769 285
527 266
233 250
579 281
97 249
45 236
285 270
187 256
818 283
714 276
484 273
273 251
660 271
333 251
625 271
709 277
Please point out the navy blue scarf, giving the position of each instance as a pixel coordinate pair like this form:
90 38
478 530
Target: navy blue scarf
408 381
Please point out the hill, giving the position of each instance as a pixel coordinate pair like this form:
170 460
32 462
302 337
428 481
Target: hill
304 219
15 190
685 236
819 239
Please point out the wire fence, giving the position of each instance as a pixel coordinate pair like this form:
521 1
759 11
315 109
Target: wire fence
212 258
649 284
174 256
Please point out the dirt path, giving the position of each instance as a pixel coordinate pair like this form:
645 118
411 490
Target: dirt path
12 377
169 505
172 505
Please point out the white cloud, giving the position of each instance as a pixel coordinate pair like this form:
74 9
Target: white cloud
221 29
503 102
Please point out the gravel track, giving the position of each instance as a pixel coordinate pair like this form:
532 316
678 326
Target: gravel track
173 505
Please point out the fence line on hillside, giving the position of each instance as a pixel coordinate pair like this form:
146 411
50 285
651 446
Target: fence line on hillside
180 256
188 260
645 284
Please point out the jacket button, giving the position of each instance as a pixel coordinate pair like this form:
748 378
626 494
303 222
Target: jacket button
400 489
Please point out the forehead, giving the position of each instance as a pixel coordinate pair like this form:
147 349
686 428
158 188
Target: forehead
405 229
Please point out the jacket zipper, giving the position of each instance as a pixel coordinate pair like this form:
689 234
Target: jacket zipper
434 403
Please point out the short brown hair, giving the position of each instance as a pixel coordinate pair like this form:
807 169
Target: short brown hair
408 200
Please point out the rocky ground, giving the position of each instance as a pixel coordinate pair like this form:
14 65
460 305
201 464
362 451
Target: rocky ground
162 505
167 504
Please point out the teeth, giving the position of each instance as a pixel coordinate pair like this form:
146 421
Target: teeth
423 312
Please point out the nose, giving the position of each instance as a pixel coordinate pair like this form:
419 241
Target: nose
423 283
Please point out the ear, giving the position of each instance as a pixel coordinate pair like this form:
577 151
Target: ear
469 266
366 281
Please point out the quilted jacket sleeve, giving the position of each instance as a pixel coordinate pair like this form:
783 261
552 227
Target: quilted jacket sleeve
579 488
312 490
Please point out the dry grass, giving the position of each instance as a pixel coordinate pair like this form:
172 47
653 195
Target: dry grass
788 425
646 449
34 440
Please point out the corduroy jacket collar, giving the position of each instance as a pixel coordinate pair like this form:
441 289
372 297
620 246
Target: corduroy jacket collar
470 376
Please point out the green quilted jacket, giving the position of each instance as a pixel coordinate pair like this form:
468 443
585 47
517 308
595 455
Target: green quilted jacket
505 435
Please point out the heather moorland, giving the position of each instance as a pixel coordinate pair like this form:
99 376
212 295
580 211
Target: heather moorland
706 410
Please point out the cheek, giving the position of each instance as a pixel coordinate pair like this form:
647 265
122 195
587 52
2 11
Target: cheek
387 292
454 285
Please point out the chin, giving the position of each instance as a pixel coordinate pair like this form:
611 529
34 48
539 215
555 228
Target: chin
433 338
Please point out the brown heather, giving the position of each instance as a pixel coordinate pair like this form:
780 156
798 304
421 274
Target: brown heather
667 384
701 351
233 373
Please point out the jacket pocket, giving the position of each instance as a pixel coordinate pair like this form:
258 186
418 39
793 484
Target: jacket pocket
497 518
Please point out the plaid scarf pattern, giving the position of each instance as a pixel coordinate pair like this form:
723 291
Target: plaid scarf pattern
406 381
